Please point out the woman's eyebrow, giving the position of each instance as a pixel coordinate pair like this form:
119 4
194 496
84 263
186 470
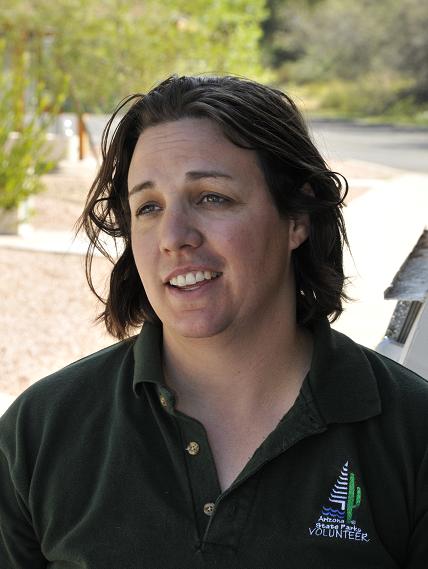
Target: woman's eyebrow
192 175
140 187
198 174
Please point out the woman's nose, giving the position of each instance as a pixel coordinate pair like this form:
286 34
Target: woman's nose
178 230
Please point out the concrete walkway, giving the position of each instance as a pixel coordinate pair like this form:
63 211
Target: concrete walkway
30 239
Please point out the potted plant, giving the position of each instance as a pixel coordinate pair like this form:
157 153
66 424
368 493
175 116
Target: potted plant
24 155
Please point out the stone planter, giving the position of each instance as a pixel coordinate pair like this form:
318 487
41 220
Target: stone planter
12 219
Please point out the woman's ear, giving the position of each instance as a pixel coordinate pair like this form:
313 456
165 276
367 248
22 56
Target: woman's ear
307 189
300 225
299 230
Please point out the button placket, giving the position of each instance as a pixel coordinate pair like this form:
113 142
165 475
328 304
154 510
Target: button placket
201 470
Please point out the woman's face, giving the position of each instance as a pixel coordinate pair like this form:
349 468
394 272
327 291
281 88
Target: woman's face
210 247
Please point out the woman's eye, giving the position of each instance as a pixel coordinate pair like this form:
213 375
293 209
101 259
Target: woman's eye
146 209
213 199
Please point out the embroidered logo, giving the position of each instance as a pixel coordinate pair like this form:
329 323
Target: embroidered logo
336 519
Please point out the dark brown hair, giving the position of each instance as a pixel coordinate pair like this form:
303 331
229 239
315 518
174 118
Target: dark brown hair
252 116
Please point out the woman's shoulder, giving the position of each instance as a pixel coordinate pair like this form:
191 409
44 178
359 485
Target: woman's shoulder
82 382
393 377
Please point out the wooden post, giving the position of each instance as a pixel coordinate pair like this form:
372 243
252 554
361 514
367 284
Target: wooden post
83 137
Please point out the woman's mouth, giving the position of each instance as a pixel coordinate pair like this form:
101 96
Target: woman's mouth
193 279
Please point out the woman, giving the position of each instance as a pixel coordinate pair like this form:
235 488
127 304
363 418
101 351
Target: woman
236 430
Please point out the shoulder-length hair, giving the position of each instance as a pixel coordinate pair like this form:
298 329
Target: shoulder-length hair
252 116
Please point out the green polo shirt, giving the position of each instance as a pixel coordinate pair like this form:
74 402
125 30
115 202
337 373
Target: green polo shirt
98 470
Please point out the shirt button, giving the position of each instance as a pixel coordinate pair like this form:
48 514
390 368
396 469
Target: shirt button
193 448
163 401
209 508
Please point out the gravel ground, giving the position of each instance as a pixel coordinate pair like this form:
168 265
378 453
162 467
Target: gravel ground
46 308
46 314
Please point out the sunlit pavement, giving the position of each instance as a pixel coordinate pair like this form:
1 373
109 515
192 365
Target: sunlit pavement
383 226
5 401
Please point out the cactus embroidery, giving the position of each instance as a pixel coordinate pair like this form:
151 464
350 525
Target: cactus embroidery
336 519
354 498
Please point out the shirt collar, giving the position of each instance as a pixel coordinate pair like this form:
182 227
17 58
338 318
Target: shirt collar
148 357
341 380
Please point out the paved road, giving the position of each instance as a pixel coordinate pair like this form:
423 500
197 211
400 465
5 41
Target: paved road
399 147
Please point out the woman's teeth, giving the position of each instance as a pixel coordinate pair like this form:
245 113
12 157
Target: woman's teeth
193 278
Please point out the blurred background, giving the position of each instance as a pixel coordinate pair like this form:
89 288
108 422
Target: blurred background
357 70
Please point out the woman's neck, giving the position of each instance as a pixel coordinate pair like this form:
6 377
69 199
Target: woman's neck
240 372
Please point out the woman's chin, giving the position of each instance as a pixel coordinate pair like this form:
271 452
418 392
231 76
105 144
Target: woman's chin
195 327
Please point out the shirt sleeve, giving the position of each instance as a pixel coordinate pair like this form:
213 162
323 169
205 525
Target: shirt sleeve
19 547
418 545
